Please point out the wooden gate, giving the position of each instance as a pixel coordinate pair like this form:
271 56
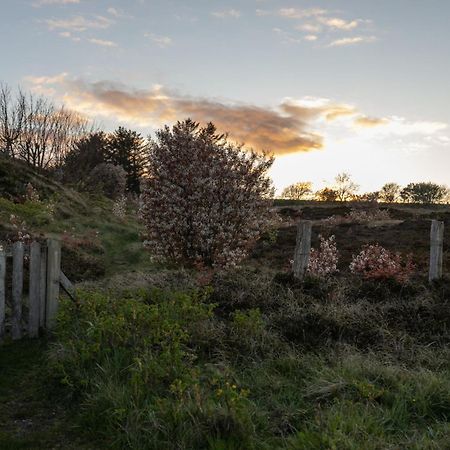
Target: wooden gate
22 314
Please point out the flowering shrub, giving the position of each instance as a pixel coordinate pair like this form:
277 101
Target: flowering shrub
323 261
375 262
119 208
20 233
358 216
205 201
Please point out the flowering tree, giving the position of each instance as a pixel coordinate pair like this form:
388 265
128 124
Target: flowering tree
376 262
323 261
205 200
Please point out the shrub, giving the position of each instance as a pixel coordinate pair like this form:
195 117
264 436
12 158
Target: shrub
107 179
206 200
323 261
119 208
375 262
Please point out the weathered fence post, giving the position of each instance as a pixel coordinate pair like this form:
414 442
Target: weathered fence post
436 250
35 294
2 290
17 290
43 286
302 249
53 271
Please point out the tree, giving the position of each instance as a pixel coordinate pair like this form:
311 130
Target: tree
36 130
424 192
298 190
205 200
128 149
12 116
86 154
345 188
326 195
390 192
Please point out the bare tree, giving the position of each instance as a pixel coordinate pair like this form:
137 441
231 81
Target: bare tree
48 133
345 188
12 115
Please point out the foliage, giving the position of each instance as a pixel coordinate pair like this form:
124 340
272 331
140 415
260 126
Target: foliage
206 200
315 360
297 191
107 179
323 261
424 193
358 216
84 156
326 195
390 192
375 262
344 187
127 148
119 208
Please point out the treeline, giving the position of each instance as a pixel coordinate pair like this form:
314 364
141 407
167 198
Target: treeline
345 189
68 146
65 144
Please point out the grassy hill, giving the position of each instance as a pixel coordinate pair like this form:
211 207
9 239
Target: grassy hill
152 358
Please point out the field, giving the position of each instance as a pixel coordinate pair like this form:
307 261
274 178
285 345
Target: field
157 357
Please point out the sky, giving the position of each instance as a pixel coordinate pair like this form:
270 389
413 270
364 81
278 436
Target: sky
331 86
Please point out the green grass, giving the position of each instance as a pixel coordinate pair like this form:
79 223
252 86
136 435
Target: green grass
152 369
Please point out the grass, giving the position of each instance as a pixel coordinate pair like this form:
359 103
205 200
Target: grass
29 420
255 363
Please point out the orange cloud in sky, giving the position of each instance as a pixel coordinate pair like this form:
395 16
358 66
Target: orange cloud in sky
289 128
369 122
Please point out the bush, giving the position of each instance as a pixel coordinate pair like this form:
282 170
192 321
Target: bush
135 362
206 200
323 261
107 179
375 262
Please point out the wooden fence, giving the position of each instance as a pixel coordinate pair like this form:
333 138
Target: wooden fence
27 314
303 247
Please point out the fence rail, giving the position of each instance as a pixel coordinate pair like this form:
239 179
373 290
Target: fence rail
303 246
44 279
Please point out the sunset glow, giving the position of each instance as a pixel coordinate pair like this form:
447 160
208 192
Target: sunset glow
331 86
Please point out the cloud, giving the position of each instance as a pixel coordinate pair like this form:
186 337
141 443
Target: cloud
294 13
39 3
102 42
229 13
339 24
119 13
344 42
79 23
310 37
369 122
160 41
294 125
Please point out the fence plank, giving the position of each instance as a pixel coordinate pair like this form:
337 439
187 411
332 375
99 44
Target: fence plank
302 249
436 250
43 287
53 270
17 290
2 291
67 286
34 297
